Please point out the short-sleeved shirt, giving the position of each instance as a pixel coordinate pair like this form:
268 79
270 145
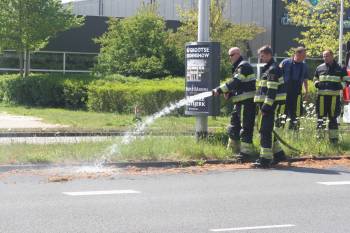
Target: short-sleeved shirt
294 71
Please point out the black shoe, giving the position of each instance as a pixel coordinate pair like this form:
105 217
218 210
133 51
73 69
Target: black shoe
242 158
279 157
262 163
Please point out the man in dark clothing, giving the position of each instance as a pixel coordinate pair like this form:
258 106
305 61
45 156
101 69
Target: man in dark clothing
241 88
270 94
328 78
294 71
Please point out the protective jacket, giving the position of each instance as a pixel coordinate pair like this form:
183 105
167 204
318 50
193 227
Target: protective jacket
270 87
242 86
328 79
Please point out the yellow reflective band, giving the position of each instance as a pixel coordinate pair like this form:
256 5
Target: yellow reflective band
247 148
328 92
281 80
333 104
298 113
259 98
346 79
248 78
262 83
281 96
266 153
321 105
272 85
224 88
330 78
243 96
269 101
238 76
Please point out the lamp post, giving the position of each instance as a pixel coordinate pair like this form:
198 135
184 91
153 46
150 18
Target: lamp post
203 36
341 31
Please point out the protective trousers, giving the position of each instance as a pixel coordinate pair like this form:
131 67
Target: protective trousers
242 125
328 106
294 108
265 126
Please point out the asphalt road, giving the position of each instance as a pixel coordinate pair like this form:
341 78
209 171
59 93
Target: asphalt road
272 201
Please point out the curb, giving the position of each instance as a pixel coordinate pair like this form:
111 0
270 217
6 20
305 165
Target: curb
154 164
82 134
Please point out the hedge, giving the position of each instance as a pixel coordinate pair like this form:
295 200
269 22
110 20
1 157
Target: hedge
45 90
113 93
149 95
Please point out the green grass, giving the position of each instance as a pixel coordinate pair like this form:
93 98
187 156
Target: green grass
150 148
107 121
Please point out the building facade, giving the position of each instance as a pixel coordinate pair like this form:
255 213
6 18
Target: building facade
269 14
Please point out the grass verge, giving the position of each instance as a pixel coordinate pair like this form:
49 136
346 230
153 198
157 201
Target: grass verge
77 120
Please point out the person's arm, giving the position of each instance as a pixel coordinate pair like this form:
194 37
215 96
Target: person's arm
316 79
272 87
305 81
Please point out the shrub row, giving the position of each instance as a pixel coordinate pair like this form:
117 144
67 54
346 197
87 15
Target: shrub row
111 94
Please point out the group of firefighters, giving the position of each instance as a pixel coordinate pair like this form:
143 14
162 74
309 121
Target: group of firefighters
278 92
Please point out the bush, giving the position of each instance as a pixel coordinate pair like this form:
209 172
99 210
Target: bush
149 95
114 93
45 90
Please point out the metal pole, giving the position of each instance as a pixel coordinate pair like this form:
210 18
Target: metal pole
64 62
341 29
203 36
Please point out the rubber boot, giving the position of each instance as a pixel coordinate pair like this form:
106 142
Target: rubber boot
263 163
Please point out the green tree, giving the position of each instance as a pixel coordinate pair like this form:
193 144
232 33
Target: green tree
321 24
27 25
221 30
135 45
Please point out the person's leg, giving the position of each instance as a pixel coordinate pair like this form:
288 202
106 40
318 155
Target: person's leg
234 129
335 108
248 121
266 127
291 105
320 111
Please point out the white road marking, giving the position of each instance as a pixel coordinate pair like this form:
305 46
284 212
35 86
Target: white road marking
252 228
335 183
107 192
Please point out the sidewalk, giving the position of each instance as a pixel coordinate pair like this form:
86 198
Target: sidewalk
25 122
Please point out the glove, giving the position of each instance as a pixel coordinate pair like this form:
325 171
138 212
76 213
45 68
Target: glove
216 92
317 85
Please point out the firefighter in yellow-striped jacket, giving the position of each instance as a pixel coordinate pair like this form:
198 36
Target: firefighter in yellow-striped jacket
328 81
241 89
270 95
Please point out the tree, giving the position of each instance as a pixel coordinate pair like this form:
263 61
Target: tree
27 25
135 45
321 24
221 30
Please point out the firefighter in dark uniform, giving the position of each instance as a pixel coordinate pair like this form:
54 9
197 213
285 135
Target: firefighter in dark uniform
328 81
269 96
295 74
241 89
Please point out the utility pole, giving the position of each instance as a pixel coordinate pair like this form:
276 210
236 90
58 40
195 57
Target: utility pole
203 36
341 31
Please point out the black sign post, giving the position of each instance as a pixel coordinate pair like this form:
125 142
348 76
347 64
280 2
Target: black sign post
202 75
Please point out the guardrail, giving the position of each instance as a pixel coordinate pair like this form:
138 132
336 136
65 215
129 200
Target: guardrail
50 61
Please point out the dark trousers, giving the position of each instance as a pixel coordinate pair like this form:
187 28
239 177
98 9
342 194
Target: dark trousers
294 104
242 121
328 106
269 146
